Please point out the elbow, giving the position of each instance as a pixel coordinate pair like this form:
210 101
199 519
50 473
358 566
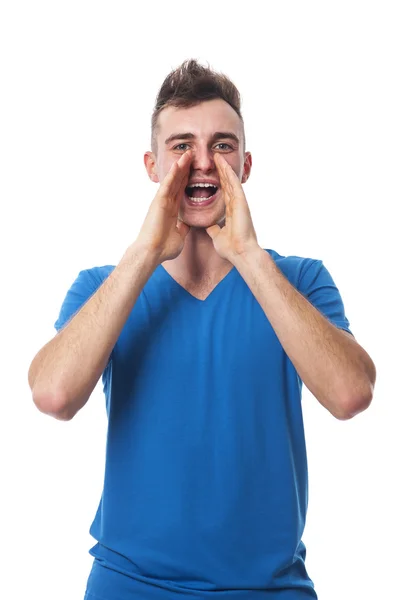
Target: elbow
358 394
64 414
353 406
52 405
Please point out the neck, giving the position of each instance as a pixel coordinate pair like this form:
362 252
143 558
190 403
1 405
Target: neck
198 257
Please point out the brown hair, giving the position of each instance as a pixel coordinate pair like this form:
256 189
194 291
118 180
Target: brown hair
190 84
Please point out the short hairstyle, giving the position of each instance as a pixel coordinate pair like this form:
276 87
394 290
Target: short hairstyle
190 84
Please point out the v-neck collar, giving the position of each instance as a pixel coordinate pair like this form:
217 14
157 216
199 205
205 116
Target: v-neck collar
191 295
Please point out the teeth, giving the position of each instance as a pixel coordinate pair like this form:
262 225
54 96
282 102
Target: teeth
200 200
204 185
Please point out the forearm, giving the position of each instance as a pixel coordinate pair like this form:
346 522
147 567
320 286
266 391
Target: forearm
335 368
65 371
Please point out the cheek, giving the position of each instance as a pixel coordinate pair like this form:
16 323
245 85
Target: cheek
164 163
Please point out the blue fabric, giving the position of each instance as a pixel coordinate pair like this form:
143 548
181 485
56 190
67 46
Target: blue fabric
205 490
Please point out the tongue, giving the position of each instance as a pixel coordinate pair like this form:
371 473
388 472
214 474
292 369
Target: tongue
201 192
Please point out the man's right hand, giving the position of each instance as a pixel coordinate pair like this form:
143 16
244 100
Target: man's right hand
162 232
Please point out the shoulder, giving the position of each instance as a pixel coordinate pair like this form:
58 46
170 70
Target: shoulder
296 268
98 274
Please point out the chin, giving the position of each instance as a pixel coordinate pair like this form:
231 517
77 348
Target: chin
198 224
202 221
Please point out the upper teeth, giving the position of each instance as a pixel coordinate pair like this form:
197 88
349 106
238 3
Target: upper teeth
202 185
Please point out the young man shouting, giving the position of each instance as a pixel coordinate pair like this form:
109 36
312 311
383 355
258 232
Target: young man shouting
203 339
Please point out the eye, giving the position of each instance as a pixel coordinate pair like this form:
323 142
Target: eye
228 146
180 147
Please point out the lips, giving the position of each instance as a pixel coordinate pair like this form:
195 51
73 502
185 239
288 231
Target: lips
209 189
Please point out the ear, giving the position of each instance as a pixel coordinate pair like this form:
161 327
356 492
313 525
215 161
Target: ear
151 166
246 167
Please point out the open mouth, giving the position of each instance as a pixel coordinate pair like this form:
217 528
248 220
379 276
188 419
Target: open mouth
200 194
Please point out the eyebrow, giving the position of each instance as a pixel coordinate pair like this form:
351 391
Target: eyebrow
218 135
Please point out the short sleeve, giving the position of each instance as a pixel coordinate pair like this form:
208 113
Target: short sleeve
317 285
80 291
85 285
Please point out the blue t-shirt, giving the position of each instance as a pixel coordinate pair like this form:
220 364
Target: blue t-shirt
205 489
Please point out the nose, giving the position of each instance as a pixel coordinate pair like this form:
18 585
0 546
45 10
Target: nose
203 159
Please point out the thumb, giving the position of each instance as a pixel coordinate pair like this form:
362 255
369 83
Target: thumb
182 228
213 231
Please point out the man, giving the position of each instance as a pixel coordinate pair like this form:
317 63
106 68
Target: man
203 339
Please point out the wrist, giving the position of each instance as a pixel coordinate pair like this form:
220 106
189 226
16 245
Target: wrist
247 253
141 251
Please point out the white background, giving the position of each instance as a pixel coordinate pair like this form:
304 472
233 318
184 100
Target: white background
320 89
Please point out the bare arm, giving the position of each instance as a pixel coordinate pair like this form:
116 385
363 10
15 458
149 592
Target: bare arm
334 367
65 371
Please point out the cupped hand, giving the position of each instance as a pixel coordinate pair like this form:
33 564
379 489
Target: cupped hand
238 234
162 231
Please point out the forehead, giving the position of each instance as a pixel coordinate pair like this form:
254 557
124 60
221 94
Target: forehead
202 120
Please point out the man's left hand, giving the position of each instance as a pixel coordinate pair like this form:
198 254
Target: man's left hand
238 236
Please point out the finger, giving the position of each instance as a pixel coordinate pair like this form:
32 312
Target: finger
184 171
182 228
177 175
213 231
219 165
228 173
180 180
231 183
225 178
